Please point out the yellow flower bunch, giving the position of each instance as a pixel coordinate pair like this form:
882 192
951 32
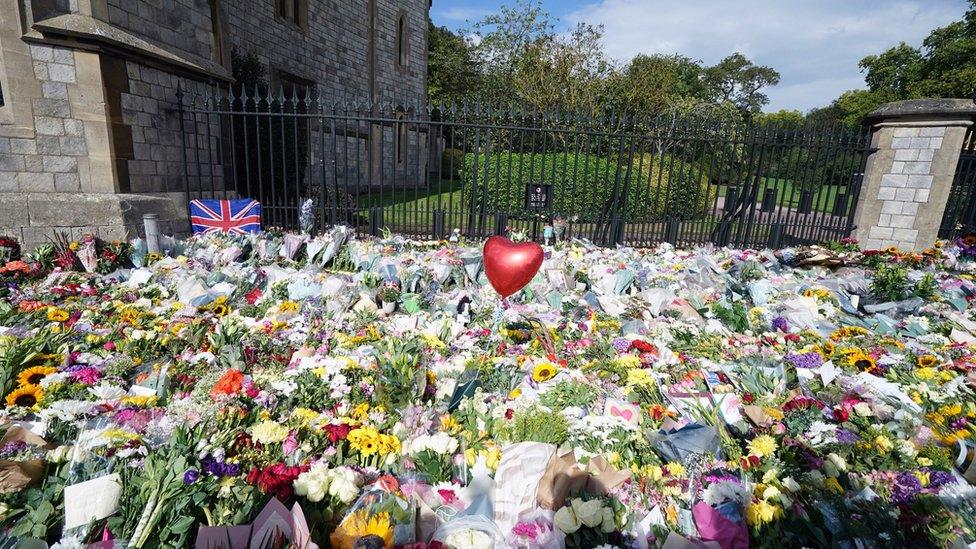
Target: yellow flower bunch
368 441
819 293
848 332
269 432
144 401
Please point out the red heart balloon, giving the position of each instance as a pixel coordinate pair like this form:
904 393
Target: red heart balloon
511 266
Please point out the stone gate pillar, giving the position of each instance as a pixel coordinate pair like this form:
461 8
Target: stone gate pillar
907 179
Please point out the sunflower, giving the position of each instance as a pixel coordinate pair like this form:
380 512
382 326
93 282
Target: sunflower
862 361
34 375
927 360
55 314
544 372
362 530
220 310
893 250
27 396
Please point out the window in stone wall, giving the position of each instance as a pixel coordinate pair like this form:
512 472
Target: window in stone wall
403 41
292 11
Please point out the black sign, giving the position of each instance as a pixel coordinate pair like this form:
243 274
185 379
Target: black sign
538 197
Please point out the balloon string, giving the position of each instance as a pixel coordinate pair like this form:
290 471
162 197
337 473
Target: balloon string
505 304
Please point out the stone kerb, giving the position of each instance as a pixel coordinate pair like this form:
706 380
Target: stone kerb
908 178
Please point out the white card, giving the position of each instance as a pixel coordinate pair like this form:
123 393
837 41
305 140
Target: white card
91 500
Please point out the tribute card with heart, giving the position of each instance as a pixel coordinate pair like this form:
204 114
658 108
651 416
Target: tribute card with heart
621 409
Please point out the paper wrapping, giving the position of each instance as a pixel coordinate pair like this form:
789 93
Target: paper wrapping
564 476
17 475
518 476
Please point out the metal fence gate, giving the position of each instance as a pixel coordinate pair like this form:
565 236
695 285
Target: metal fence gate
479 169
959 218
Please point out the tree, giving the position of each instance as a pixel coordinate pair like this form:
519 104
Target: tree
945 66
654 83
895 71
452 72
738 80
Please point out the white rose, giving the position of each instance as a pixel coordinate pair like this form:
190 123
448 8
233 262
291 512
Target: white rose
837 461
565 519
791 485
589 512
830 469
862 409
609 524
345 484
314 483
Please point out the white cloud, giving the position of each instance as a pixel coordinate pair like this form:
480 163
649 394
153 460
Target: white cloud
815 45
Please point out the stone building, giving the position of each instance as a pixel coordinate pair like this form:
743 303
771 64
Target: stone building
90 126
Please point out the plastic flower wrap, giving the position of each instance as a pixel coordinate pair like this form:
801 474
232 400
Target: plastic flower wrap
383 516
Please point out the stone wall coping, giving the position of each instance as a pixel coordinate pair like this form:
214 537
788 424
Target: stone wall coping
88 28
924 109
923 123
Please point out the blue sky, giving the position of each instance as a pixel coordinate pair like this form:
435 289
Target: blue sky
814 44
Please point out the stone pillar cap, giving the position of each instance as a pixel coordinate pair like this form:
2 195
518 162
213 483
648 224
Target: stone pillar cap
919 110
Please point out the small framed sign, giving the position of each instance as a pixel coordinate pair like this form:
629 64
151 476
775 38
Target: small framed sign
538 197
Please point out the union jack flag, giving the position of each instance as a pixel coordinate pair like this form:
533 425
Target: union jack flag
225 216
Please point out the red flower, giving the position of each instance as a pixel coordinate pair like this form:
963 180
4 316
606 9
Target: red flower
276 480
748 398
228 384
841 415
337 432
643 346
253 296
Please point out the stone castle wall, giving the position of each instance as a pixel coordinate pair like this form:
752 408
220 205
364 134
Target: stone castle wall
108 125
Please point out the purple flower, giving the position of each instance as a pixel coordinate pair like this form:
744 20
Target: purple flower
845 437
937 479
906 487
190 476
621 344
806 360
780 325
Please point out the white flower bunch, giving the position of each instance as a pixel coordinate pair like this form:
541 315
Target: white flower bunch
438 443
341 483
592 513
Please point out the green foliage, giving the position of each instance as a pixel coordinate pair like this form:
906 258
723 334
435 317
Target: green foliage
517 54
567 393
890 283
452 162
452 72
538 425
586 185
927 286
739 81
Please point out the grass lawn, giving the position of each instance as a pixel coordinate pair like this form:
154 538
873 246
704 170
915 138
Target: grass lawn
823 198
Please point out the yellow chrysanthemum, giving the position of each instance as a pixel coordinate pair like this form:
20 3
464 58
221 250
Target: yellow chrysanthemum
762 446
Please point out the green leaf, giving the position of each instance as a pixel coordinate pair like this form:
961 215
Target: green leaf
182 525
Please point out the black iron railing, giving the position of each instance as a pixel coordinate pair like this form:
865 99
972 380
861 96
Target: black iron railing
959 218
430 170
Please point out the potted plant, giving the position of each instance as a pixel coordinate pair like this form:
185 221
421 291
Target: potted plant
389 294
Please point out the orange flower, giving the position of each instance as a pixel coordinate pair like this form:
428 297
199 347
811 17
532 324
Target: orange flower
228 384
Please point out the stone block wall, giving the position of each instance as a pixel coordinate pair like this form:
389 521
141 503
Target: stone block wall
51 160
906 186
184 26
908 178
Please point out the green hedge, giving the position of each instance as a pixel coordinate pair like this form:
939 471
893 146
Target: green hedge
583 184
